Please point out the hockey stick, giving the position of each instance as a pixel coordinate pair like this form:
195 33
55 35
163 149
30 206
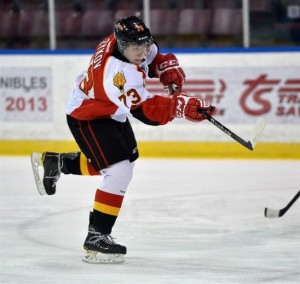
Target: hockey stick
273 213
256 132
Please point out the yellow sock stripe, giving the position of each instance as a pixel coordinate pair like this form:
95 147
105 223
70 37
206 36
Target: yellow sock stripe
110 210
83 165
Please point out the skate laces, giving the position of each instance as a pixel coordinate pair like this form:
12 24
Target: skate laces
106 238
55 173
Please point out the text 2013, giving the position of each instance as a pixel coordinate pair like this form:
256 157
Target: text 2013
20 104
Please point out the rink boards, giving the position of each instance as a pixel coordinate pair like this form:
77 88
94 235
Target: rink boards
242 84
168 149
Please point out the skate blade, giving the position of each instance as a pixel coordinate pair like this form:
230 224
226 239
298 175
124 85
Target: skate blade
102 258
36 162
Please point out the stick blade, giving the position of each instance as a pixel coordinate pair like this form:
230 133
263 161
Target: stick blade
257 131
271 213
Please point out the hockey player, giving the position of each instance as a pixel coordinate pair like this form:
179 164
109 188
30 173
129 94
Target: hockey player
110 90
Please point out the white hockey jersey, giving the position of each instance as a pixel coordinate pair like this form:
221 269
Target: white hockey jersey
113 88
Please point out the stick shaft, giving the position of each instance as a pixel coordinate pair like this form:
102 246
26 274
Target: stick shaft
227 131
218 124
291 202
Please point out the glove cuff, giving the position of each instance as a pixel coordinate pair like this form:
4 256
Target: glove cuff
178 102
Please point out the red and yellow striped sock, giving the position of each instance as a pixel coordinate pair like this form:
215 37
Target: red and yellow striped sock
106 210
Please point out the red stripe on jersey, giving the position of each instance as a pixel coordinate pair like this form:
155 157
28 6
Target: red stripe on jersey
108 198
98 73
93 109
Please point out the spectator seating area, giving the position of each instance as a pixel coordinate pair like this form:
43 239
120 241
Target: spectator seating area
81 24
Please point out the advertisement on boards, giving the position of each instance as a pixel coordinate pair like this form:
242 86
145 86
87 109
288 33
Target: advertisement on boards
26 94
242 94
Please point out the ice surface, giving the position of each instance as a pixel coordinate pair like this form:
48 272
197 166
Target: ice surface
183 221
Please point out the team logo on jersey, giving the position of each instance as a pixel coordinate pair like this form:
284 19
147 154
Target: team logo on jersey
119 81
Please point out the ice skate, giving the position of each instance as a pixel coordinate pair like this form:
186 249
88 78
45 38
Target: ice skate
102 248
49 165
